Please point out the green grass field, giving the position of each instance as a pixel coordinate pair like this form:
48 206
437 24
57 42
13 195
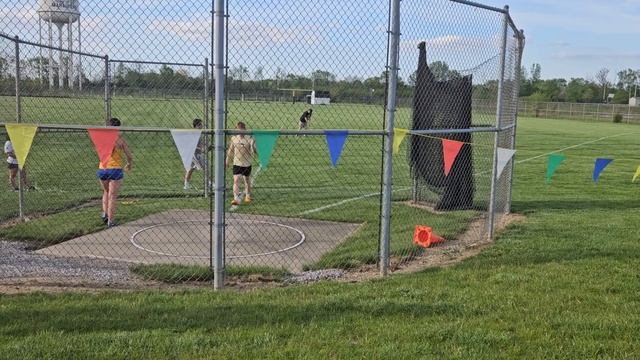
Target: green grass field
563 284
299 177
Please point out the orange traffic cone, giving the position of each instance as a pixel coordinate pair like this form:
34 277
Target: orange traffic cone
424 236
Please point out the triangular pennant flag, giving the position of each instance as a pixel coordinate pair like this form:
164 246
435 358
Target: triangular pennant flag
335 142
104 140
450 150
21 137
186 141
398 136
504 155
552 164
636 175
265 143
601 163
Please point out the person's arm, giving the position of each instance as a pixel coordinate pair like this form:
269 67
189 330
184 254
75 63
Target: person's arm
229 154
253 147
127 152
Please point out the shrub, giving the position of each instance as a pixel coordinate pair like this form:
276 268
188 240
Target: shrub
617 118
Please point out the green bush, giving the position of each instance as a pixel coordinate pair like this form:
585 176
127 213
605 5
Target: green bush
617 118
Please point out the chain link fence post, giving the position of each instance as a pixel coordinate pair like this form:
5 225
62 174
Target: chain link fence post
18 120
218 211
107 91
516 93
205 104
499 109
387 187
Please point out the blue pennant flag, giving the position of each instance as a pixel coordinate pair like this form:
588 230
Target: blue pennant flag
335 142
600 165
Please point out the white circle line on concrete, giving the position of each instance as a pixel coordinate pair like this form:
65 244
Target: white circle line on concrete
133 242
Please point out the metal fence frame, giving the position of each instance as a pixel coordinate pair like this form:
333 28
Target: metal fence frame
219 131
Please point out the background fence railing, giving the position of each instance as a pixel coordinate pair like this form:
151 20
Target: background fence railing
582 111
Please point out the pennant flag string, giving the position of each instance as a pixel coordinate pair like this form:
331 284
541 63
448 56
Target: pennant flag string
104 140
21 137
265 143
186 141
335 143
600 165
450 150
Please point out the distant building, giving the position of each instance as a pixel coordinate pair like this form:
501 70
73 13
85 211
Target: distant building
634 101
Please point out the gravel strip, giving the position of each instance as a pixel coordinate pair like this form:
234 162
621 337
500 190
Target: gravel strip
317 275
16 262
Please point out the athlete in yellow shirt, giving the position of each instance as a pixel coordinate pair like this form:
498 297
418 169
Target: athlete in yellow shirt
241 151
111 175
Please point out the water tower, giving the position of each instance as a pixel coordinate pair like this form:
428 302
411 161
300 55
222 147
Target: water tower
61 13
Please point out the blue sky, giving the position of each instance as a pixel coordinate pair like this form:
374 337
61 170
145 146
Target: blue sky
569 38
575 38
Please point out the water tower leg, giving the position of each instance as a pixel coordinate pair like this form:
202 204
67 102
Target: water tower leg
70 67
40 51
60 59
50 55
79 57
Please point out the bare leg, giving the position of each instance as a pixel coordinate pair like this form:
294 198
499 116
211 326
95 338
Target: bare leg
12 178
236 186
247 185
105 195
187 175
114 187
23 178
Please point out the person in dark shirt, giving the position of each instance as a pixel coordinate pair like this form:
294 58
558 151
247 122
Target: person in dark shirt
305 119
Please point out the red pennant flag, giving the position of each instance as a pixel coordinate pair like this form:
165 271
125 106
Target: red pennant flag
104 140
450 150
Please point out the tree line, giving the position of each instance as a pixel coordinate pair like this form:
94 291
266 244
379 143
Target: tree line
582 90
127 78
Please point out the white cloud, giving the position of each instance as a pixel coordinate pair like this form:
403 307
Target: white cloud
241 33
452 43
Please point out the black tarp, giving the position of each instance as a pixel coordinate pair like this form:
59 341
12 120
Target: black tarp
442 104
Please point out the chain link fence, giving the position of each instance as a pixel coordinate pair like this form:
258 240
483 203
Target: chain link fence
580 111
331 196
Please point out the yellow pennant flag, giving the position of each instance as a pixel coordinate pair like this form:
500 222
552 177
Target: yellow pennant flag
398 136
21 137
636 175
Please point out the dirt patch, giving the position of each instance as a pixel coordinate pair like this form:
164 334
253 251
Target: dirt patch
451 252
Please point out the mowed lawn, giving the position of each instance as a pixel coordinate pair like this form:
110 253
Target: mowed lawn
299 177
562 284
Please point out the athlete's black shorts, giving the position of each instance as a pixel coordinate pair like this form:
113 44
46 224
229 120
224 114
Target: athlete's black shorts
12 166
242 170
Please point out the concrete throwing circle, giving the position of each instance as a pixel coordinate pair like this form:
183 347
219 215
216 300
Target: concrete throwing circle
244 238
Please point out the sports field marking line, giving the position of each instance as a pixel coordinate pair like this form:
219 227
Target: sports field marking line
341 202
480 173
570 147
300 242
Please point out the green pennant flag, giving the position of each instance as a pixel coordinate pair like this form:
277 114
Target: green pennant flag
265 143
552 164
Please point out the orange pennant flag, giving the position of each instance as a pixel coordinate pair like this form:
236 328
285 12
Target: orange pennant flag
450 150
104 140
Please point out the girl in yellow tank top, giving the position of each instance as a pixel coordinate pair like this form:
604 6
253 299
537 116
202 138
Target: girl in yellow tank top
115 160
111 175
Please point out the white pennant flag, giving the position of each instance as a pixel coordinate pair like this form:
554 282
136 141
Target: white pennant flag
186 142
504 155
